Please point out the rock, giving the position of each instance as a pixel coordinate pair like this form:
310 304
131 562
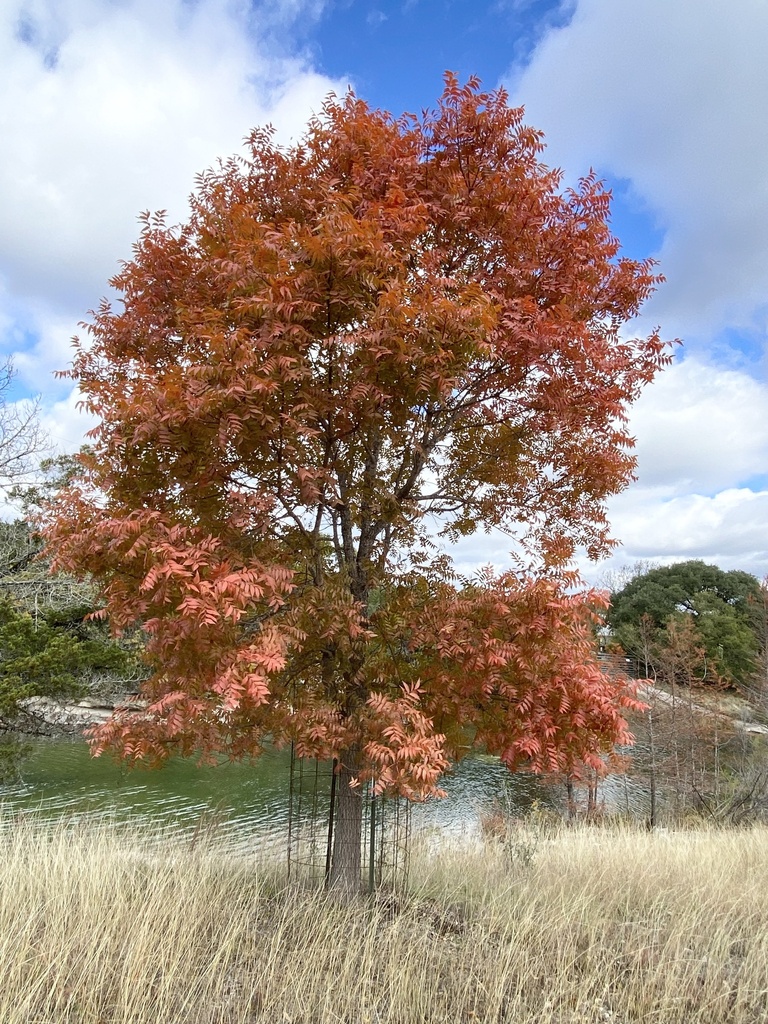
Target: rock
42 716
751 727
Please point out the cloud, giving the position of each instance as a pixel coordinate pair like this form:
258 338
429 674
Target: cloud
66 424
108 109
42 348
727 529
375 18
700 425
671 101
673 98
702 434
702 438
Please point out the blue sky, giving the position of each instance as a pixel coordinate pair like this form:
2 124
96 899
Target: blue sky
109 107
396 52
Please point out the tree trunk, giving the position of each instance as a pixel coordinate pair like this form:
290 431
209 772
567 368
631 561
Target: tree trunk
346 862
652 741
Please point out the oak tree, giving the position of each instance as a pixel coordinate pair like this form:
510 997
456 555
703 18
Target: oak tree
722 607
358 349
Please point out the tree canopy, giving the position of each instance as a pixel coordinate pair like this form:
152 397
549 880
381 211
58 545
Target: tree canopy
360 347
54 654
724 609
49 646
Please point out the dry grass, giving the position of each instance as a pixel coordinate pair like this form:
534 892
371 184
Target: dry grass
590 925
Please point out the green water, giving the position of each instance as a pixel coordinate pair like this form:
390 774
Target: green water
249 802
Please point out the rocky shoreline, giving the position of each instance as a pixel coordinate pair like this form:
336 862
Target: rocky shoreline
42 716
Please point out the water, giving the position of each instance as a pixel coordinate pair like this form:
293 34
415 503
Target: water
249 802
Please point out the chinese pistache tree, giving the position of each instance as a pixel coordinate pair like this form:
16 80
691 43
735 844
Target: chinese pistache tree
395 329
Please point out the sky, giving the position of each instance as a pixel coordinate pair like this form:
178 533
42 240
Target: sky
111 107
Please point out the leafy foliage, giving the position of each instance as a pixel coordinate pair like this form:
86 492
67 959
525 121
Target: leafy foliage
722 607
54 655
391 325
49 644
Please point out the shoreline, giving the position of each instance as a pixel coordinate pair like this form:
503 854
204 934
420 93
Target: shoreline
44 716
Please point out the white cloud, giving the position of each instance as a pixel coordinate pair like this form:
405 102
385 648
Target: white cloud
109 109
728 529
702 436
45 349
671 96
702 433
700 425
66 424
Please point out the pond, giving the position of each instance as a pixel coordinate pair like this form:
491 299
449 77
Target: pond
249 802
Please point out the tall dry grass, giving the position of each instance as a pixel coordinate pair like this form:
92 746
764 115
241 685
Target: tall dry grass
586 925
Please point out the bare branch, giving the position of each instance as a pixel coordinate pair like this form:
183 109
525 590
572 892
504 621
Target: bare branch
22 439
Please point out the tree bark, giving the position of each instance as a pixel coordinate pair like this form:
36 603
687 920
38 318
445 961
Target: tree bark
346 862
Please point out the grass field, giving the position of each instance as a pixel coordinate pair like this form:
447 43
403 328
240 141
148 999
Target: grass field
581 925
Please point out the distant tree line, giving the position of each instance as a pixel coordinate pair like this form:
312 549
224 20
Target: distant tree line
50 646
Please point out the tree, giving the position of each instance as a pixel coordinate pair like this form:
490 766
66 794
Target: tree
52 655
392 334
723 607
616 579
683 743
49 644
757 686
22 439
